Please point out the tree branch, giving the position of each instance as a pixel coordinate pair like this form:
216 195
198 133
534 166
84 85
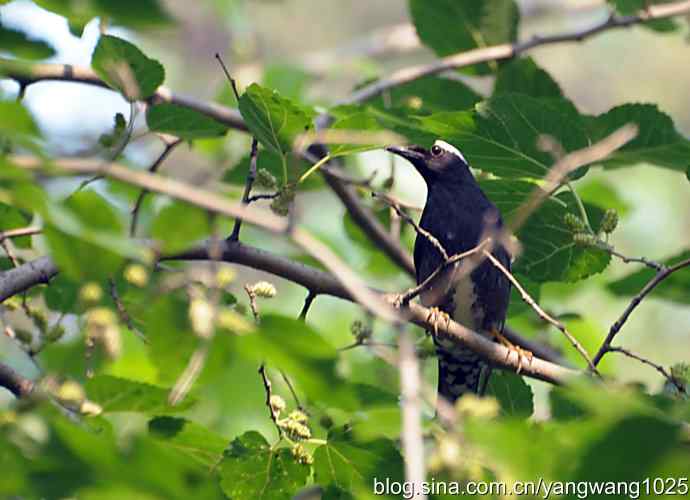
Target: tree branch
169 147
324 283
527 298
410 388
362 216
14 281
19 232
18 385
677 384
249 183
636 300
28 73
507 50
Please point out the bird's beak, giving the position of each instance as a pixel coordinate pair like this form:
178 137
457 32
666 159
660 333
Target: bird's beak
410 153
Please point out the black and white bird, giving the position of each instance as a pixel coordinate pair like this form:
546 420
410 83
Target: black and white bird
457 213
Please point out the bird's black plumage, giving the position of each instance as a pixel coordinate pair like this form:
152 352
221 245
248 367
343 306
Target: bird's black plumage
457 213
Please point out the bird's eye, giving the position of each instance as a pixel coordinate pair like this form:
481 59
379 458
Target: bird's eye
436 150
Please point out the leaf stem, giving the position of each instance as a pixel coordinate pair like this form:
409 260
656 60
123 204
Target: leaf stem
314 168
580 206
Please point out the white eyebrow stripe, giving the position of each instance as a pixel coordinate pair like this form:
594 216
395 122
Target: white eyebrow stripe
450 148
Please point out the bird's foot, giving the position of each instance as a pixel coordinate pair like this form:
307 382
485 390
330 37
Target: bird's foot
436 316
522 354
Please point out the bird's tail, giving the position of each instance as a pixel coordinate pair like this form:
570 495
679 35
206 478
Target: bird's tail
460 371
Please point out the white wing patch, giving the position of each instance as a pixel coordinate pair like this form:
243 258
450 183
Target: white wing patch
450 148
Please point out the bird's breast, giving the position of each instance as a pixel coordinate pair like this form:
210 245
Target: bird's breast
458 296
466 310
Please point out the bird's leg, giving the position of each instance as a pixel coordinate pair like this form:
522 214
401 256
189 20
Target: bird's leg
519 351
435 317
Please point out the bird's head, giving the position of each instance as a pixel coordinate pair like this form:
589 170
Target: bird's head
442 163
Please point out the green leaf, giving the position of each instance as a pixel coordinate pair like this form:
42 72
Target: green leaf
189 439
501 136
563 407
646 438
657 142
86 238
139 14
549 252
631 7
273 163
512 392
352 465
360 123
429 94
523 76
126 68
20 45
452 26
116 394
172 341
62 294
605 194
178 225
687 173
675 288
17 125
302 352
290 81
182 122
13 218
274 120
253 469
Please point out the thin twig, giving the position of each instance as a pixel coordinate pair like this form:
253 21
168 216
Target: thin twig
401 213
678 385
269 392
636 300
252 303
19 232
424 285
307 304
124 315
263 196
232 81
251 177
412 440
292 390
508 51
189 375
10 254
657 266
169 147
566 165
540 312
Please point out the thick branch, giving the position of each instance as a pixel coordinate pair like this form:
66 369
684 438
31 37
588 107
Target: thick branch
324 283
22 278
20 386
